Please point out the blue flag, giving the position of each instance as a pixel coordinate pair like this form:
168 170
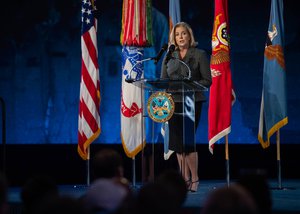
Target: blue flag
273 112
174 13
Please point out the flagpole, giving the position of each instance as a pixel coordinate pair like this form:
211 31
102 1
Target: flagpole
88 167
142 139
278 159
151 162
227 160
3 107
143 159
133 173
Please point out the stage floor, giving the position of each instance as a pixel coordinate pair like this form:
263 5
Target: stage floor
285 199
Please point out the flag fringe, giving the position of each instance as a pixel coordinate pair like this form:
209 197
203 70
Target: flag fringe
133 153
83 153
276 127
217 137
136 23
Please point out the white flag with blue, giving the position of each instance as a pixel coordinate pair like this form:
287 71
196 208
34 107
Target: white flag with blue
132 130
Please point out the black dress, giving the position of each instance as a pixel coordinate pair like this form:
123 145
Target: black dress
176 141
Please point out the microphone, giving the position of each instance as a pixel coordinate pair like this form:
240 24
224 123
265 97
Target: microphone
160 53
169 53
129 80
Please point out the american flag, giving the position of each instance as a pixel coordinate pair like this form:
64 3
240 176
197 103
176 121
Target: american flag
89 118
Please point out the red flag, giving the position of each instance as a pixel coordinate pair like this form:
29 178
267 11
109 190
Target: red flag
221 95
89 117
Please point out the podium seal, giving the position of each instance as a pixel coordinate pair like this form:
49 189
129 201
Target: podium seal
160 107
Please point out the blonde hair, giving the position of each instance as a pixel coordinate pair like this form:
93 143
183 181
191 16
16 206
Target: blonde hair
193 43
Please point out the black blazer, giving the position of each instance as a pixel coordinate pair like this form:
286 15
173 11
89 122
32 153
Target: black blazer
197 61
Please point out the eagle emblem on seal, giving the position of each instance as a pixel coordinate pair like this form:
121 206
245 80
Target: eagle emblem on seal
160 107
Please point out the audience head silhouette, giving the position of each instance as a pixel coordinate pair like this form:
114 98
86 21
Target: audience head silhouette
109 188
255 181
107 163
229 200
174 183
36 190
155 198
61 205
3 194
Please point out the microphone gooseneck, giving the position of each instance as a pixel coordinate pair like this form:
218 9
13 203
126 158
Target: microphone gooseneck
189 70
169 53
160 53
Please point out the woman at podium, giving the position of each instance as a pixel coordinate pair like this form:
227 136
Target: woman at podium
184 61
